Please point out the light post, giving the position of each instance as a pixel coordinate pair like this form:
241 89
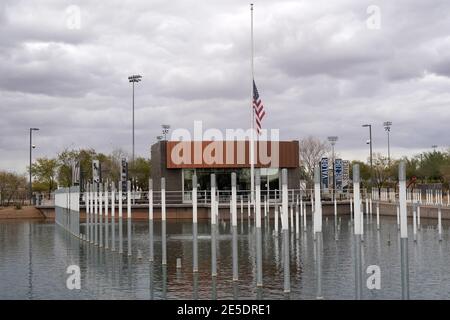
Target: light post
159 138
165 130
332 140
370 143
434 146
387 127
31 148
134 79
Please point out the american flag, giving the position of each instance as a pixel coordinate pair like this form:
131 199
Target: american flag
258 108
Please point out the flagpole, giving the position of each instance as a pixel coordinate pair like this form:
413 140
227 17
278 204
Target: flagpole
252 147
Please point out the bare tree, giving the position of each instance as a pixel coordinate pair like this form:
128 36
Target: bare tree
311 152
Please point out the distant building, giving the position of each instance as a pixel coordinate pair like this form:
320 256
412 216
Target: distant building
177 161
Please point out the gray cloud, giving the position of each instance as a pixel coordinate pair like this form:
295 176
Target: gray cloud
319 69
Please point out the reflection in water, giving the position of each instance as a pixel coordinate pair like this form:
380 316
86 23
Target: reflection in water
214 288
164 281
151 281
195 286
318 247
35 255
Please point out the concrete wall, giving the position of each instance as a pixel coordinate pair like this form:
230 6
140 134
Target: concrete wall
185 211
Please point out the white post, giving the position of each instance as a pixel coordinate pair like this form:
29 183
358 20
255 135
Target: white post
150 199
95 214
163 222
194 225
297 222
358 228
150 217
100 214
213 226
318 202
357 199
418 217
284 225
304 217
415 222
120 218
86 201
129 216
351 209
259 280
113 217
194 198
91 210
234 227
403 230
213 198
398 217
106 217
233 200
265 206
378 215
258 198
292 218
276 220
440 223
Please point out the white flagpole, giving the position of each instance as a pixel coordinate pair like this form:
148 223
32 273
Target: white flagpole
252 147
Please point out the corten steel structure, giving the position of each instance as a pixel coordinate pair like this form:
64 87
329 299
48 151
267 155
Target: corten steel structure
178 168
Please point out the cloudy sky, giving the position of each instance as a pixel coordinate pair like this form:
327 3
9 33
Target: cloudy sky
322 68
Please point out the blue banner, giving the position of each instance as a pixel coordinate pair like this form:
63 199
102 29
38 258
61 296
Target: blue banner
338 172
324 172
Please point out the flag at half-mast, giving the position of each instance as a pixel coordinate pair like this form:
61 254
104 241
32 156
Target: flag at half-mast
258 108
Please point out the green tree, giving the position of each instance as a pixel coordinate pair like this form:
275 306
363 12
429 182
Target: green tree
44 170
66 159
140 171
13 187
364 171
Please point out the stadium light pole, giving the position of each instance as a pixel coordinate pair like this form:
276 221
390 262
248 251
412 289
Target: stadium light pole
30 190
134 79
370 143
387 127
332 140
165 130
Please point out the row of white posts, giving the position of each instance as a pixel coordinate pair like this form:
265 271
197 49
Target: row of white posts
432 196
99 200
435 197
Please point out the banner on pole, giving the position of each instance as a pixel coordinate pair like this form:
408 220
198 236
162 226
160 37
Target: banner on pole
324 172
338 173
345 174
96 171
76 173
124 174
